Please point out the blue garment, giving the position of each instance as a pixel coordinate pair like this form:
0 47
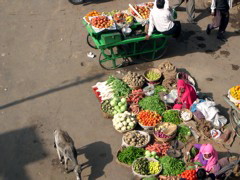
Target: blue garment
193 108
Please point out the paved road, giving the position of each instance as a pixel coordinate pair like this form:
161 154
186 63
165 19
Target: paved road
46 79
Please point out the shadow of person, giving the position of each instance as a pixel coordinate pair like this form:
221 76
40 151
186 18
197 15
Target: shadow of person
18 149
193 39
99 154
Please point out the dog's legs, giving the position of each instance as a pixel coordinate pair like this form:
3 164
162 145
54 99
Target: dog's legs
66 163
59 156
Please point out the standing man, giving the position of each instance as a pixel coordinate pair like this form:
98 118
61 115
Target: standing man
220 11
190 9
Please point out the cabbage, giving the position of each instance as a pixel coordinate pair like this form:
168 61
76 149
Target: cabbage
123 100
113 103
116 99
131 124
115 112
123 128
123 108
153 153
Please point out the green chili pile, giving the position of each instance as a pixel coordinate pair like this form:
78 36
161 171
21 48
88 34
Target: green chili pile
120 88
152 103
172 116
183 133
171 166
129 154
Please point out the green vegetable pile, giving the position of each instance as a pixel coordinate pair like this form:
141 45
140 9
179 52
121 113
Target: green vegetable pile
107 108
152 103
151 75
172 116
145 167
120 88
159 88
141 166
130 154
183 133
171 166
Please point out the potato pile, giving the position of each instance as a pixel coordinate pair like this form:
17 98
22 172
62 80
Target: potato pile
133 79
135 138
101 22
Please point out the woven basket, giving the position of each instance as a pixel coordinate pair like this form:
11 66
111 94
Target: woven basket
186 110
122 164
106 115
154 70
136 87
146 176
172 131
158 139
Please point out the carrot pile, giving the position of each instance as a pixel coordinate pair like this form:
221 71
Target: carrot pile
189 174
135 96
160 149
148 118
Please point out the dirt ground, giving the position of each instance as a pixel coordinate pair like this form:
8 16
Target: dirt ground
46 79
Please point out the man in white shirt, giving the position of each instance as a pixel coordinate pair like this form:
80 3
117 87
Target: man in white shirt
161 18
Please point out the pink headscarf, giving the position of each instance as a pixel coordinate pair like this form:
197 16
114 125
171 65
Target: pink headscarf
188 96
213 160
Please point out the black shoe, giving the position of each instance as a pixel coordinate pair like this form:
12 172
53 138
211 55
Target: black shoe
208 30
221 37
192 21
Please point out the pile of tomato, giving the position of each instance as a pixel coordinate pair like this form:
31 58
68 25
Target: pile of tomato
189 174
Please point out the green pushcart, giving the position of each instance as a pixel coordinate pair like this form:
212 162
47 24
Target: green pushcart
116 49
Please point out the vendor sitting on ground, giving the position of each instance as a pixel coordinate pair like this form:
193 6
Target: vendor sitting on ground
207 156
161 18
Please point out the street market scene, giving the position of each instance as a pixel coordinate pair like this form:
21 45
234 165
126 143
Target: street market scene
123 90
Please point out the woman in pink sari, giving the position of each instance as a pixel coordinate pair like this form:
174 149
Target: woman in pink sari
186 95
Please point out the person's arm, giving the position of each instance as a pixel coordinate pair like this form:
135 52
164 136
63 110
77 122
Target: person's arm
151 26
213 7
166 5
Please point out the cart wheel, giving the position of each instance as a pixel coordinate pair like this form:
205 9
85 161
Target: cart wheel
112 58
90 42
76 2
161 45
235 121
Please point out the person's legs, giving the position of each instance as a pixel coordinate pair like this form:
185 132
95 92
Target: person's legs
175 30
223 25
215 22
178 3
191 10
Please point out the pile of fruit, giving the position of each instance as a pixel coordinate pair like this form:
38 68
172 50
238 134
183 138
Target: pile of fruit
142 10
91 14
101 22
235 92
122 18
111 13
149 4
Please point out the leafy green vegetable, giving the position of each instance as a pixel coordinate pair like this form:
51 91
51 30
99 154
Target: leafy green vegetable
152 103
172 116
120 88
182 133
159 88
172 166
129 154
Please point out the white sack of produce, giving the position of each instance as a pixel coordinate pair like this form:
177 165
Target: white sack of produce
106 91
210 113
124 121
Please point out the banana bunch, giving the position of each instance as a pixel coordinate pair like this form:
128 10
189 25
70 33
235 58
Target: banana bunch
129 19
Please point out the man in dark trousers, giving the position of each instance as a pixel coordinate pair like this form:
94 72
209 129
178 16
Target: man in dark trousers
190 8
220 11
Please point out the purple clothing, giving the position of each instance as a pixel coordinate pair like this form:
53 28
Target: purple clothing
201 159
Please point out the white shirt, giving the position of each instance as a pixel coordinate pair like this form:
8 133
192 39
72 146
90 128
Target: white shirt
160 18
213 5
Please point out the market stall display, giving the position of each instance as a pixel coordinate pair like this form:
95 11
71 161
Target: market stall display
123 29
134 104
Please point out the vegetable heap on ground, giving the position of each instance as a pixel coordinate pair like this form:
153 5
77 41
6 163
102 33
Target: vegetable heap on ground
119 105
172 116
135 138
189 174
120 88
144 166
134 79
171 166
130 154
124 121
160 149
183 133
159 88
152 103
148 118
153 76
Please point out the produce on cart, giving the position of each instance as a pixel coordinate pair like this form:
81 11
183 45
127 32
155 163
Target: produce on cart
91 14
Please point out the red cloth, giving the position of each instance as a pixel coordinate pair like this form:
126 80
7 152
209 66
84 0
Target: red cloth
187 97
